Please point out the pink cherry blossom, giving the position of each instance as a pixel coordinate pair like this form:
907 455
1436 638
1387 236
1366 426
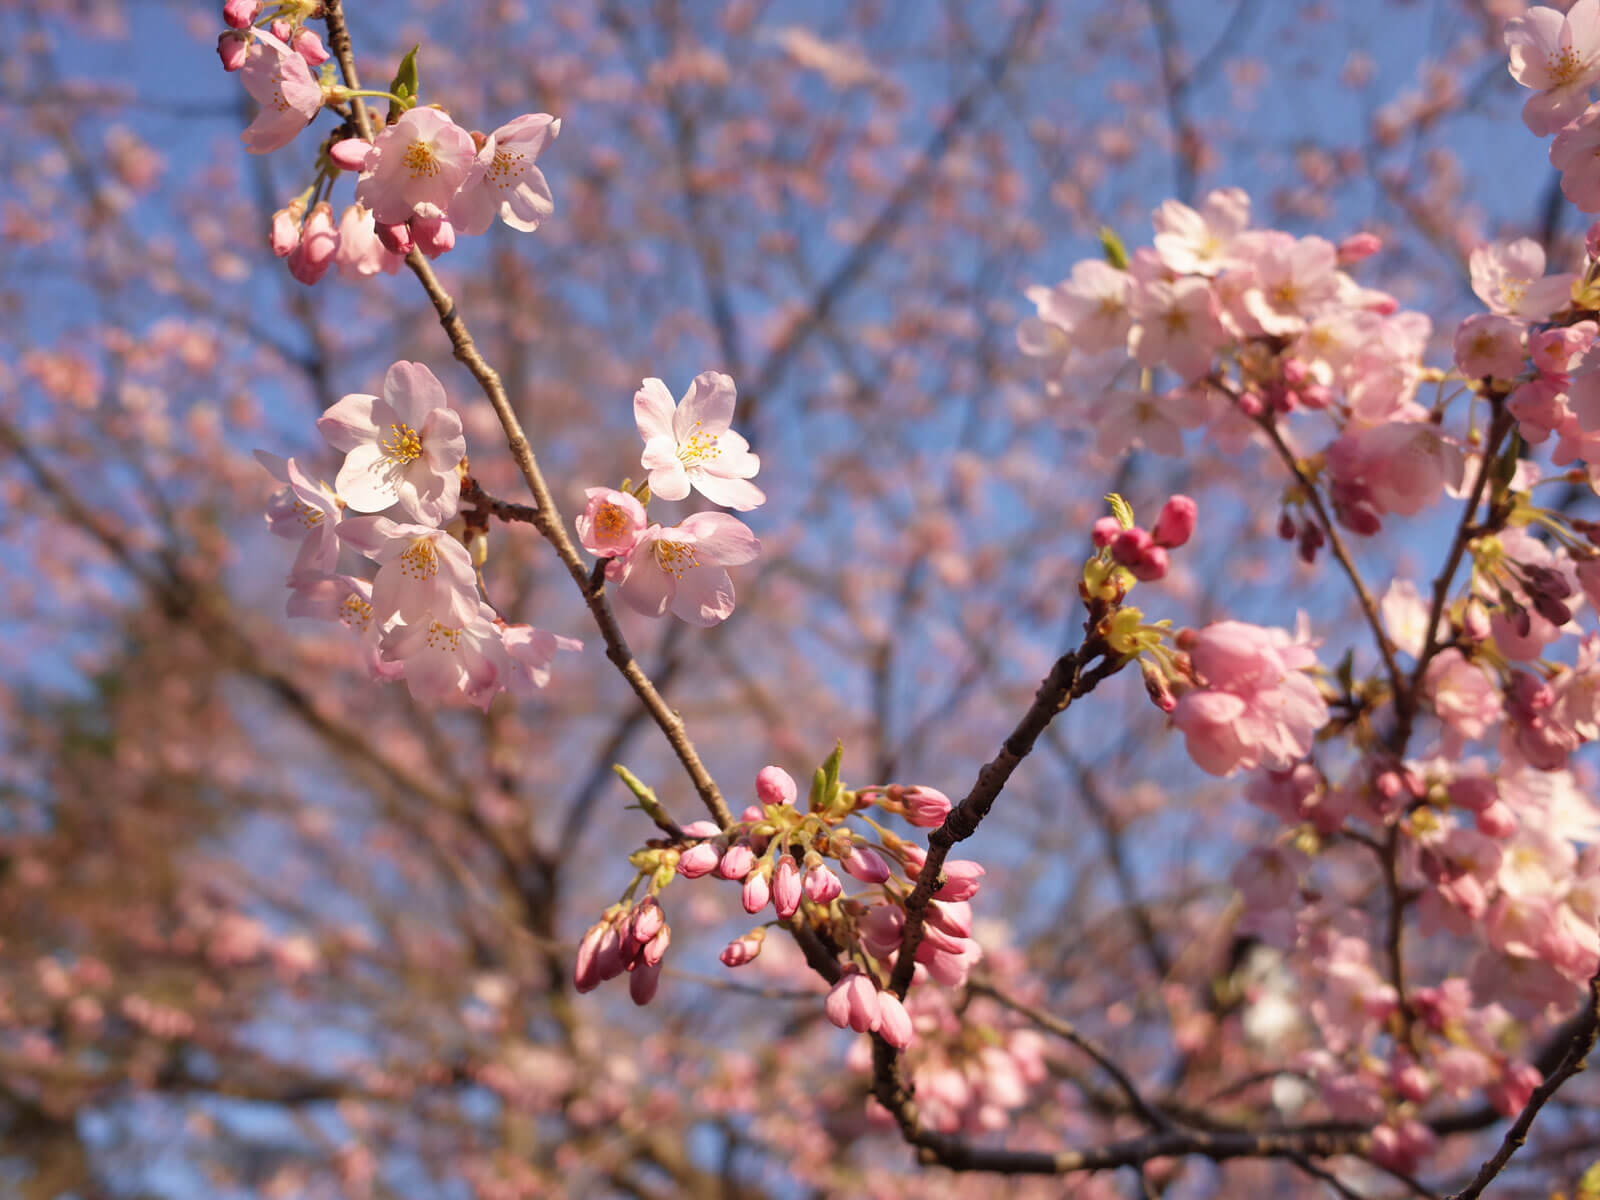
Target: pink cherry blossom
852 1003
682 569
1509 277
690 445
1198 243
421 159
1487 344
504 181
528 656
402 448
444 659
1290 279
361 254
1255 706
1558 56
611 522
1575 152
1176 325
423 573
280 82
1091 306
304 509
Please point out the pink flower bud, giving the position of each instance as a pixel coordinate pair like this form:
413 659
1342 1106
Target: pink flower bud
319 243
743 950
647 920
880 929
737 861
1357 247
281 30
894 1023
432 231
1175 525
961 880
786 889
1104 531
642 983
652 952
1131 546
853 1003
757 890
1152 566
309 46
237 14
924 806
774 785
822 885
608 958
1412 1082
585 976
866 864
395 238
233 49
698 860
286 228
912 858
952 916
702 829
350 154
1316 395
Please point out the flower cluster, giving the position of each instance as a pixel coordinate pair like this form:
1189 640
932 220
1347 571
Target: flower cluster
421 180
420 617
791 861
682 569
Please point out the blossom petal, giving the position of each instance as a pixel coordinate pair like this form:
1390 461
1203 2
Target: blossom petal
365 482
721 539
652 410
348 423
708 407
738 494
414 392
704 596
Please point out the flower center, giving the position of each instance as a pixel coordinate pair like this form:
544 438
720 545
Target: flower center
306 515
401 446
443 637
1563 66
1513 290
420 560
611 520
675 557
420 159
506 168
356 613
698 448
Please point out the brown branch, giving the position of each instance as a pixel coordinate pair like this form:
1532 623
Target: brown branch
546 517
1573 1061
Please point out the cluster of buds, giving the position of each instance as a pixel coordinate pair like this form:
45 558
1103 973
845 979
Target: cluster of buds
1129 552
795 862
628 938
422 179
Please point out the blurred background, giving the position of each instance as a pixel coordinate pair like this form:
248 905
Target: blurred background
269 929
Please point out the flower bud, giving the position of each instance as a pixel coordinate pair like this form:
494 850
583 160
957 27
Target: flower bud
894 1023
737 861
1175 525
822 886
774 785
698 860
757 890
1104 531
866 864
961 880
309 46
395 238
237 14
319 243
743 950
786 888
852 1003
1152 566
642 983
233 48
1357 247
1131 546
286 228
432 231
350 154
925 807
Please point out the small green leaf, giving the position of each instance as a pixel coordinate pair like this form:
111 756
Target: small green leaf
1121 510
1111 245
646 797
404 84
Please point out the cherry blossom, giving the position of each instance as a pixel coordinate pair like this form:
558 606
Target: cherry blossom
1558 56
280 82
402 448
421 159
423 572
691 445
304 509
504 181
